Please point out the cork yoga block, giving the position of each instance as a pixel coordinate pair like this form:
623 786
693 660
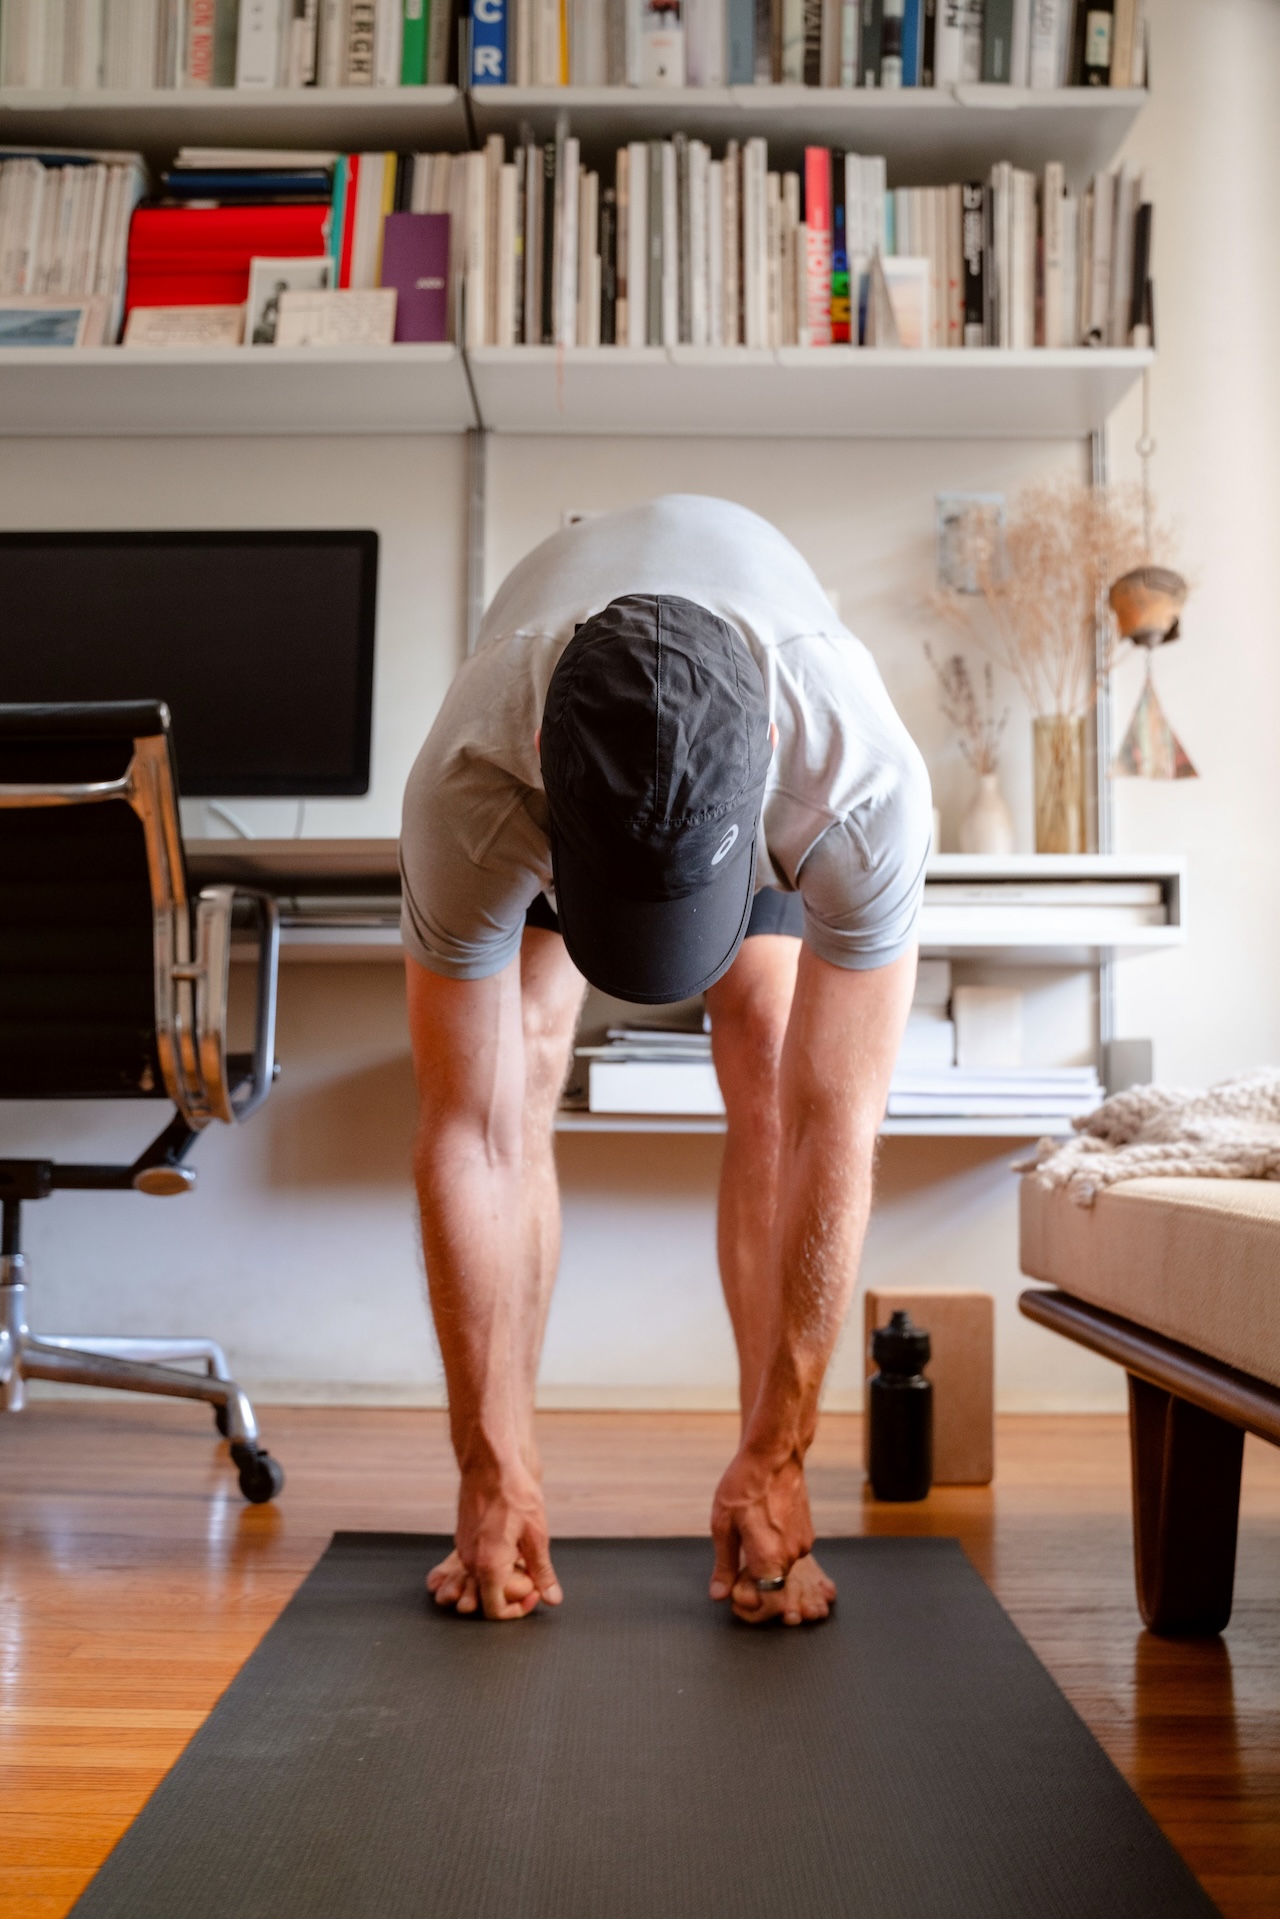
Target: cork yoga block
961 1328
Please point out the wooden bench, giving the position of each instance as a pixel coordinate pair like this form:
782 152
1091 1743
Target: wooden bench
1178 1281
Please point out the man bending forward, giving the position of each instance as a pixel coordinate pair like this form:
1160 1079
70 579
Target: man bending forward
670 770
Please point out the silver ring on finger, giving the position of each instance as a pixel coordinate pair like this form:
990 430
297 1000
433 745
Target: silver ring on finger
774 1584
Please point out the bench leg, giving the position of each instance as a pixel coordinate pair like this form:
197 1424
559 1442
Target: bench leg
1186 1506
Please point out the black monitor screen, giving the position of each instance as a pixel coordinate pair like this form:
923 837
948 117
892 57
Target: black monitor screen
261 644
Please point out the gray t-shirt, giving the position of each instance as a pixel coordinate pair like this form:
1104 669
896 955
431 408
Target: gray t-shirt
846 811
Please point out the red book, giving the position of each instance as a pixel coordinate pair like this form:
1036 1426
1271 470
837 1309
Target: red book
347 238
817 215
199 256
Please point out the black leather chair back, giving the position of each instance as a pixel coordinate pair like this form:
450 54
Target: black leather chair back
77 952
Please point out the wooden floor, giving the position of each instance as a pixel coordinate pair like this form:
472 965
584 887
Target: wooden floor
134 1582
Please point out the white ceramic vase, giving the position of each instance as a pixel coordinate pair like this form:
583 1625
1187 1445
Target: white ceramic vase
987 826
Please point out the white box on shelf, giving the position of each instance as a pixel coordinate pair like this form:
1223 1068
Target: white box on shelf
653 1086
988 1025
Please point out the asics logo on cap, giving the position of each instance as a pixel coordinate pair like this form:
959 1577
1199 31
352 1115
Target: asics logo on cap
724 846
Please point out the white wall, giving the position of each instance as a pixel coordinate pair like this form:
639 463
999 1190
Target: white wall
299 1248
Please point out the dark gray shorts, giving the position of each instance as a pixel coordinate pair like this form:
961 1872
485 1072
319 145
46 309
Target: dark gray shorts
772 911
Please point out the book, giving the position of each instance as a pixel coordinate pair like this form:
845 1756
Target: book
49 320
415 261
740 21
891 18
351 317
1045 60
388 29
180 256
869 57
817 214
1094 31
413 43
258 43
653 1086
1054 331
912 42
661 44
301 42
488 43
997 40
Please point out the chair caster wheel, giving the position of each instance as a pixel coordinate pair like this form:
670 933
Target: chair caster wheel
261 1476
221 1421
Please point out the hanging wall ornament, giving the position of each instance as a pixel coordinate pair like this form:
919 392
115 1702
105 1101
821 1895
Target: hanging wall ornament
1147 603
1151 750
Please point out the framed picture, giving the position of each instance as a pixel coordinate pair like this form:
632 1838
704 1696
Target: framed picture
27 322
268 279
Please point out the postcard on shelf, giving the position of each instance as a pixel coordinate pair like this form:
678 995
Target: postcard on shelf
184 326
268 279
351 317
41 320
415 261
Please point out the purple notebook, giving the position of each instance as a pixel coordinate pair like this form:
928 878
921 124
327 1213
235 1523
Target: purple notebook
415 261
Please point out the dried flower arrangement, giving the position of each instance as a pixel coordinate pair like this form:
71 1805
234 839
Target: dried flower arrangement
978 728
1041 577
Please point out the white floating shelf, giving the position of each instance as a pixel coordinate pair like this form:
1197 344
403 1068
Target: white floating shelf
928 135
1014 927
221 390
577 1122
799 392
158 120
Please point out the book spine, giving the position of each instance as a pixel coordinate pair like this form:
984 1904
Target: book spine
732 185
1097 24
1051 334
670 246
891 43
1046 39
653 258
609 255
840 305
661 46
911 42
741 31
1104 202
333 41
1020 44
997 40
698 302
715 252
953 332
361 33
812 47
850 41
817 216
387 42
475 292
762 44
638 244
488 43
201 20
258 44
1122 34
973 248
929 43
684 241
413 44
872 23
948 43
1140 296
547 237
567 249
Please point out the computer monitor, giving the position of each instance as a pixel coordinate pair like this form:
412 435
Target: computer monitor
260 643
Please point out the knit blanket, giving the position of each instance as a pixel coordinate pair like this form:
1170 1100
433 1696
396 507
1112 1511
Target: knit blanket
1231 1131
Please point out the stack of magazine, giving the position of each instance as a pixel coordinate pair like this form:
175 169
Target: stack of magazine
648 1070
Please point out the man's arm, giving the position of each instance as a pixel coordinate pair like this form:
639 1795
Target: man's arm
842 1040
469 1058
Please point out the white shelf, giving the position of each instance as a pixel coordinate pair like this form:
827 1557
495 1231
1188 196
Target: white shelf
799 392
578 1122
928 135
795 392
221 390
161 119
1019 930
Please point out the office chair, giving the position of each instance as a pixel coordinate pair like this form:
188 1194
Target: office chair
112 987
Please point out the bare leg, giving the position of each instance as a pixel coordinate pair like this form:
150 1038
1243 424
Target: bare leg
489 1057
842 1036
749 1010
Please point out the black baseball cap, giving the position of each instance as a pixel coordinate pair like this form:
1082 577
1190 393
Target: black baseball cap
655 746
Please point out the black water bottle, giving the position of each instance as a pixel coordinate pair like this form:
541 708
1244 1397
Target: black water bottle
901 1411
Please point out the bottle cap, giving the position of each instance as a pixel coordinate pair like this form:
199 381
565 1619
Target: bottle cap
901 1346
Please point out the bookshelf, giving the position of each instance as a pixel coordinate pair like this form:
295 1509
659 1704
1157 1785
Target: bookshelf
828 392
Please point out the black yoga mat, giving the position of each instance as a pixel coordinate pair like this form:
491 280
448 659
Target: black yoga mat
637 1755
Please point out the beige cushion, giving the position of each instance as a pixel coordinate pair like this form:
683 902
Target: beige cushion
1195 1259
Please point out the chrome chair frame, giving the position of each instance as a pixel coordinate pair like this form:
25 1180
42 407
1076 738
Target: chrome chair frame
191 998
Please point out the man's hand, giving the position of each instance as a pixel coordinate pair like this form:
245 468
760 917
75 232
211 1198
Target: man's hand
502 1560
762 1530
